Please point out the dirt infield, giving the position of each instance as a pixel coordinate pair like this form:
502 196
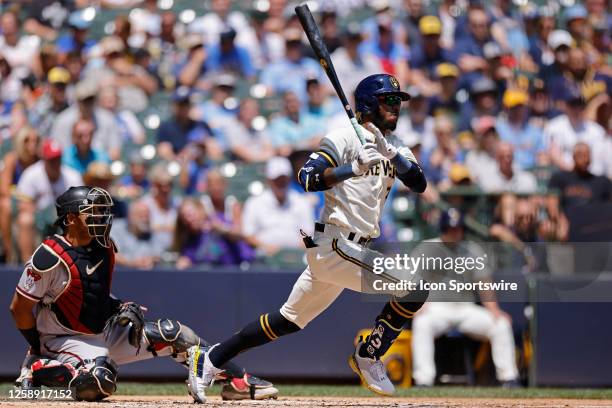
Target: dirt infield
308 402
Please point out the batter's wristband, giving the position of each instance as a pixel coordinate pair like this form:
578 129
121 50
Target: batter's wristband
32 337
343 172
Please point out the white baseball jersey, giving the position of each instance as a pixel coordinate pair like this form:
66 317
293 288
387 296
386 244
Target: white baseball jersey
357 203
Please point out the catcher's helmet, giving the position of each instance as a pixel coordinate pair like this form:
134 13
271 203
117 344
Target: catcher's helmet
368 90
95 202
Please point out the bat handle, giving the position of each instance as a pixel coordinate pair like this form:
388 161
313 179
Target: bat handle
358 130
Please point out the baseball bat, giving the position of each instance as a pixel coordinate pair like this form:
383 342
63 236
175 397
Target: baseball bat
316 42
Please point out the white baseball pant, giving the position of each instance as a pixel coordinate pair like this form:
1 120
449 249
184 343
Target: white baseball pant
437 318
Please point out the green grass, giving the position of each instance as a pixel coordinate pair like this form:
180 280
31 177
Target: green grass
131 388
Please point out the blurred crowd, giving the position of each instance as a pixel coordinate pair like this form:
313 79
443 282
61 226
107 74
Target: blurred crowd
160 102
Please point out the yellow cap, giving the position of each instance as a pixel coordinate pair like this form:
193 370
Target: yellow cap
447 70
458 173
429 25
58 75
515 97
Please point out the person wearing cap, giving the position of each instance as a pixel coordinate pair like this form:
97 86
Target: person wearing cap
177 134
214 109
80 154
575 18
350 63
445 311
469 49
98 174
320 104
247 142
281 76
507 176
51 103
219 16
513 127
130 128
483 102
563 132
135 183
559 42
391 53
272 220
447 101
191 69
439 159
226 56
39 186
295 129
418 123
24 153
77 39
106 136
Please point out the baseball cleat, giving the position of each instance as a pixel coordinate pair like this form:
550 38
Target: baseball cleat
248 388
201 372
371 372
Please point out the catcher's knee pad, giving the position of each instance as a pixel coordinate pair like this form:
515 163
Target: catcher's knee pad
52 373
169 333
95 382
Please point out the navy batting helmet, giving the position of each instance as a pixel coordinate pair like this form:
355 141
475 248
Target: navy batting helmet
371 87
94 202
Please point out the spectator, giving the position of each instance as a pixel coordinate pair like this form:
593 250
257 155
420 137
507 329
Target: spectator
51 103
576 22
391 54
351 64
130 129
77 40
447 102
39 186
19 51
539 48
98 174
469 49
281 76
48 17
527 140
175 135
190 71
507 177
106 136
228 57
417 124
220 16
134 83
579 186
135 183
294 129
319 103
540 105
560 42
162 205
11 86
500 65
441 314
80 154
483 102
563 132
248 141
427 55
481 161
272 220
136 245
15 162
264 45
220 109
446 152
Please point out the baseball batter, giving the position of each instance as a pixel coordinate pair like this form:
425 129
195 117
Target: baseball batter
356 179
77 330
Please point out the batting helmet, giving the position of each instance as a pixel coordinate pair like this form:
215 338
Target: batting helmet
95 202
371 87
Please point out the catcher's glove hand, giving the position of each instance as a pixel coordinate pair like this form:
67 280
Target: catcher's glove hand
129 313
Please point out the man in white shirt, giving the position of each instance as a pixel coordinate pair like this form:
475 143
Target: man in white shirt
38 187
508 177
563 132
273 220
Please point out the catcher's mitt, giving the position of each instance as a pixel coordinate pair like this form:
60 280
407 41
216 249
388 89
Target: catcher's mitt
129 313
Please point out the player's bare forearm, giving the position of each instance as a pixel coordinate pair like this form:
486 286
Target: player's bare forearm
21 310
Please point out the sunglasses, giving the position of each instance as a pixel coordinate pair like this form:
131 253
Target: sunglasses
390 100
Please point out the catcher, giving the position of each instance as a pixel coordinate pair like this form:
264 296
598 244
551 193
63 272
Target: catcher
78 332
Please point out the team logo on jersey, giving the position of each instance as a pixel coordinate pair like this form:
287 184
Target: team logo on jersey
31 278
394 82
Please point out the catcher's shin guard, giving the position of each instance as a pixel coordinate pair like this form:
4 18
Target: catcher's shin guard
164 333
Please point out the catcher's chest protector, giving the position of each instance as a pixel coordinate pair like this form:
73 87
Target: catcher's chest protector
85 304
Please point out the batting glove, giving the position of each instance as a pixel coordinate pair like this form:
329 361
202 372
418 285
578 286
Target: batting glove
367 158
382 145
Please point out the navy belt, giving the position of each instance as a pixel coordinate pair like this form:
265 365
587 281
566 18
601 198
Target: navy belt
320 227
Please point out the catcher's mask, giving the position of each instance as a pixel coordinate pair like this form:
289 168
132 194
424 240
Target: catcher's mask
94 202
